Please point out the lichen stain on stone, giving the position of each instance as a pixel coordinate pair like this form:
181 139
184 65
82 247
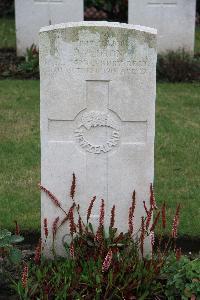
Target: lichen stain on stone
52 35
121 35
70 35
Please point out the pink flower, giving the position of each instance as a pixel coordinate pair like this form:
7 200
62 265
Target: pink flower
25 276
71 221
131 214
112 217
133 202
102 213
152 197
175 223
51 196
130 220
145 207
80 225
99 234
155 221
38 252
71 250
90 208
178 253
152 238
73 186
55 226
46 232
17 230
149 217
107 261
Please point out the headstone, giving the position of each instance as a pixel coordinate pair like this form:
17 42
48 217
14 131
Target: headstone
98 89
31 15
174 20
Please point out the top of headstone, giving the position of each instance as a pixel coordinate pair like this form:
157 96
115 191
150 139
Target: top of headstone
99 24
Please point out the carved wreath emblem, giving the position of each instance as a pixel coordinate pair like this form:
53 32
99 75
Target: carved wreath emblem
97 119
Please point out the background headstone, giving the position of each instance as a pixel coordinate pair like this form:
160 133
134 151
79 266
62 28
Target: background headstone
98 89
174 20
31 15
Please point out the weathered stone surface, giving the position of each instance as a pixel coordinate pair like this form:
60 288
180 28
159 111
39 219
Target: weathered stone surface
31 15
98 88
174 20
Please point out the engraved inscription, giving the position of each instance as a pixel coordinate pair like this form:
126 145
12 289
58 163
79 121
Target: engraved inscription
100 120
90 54
95 53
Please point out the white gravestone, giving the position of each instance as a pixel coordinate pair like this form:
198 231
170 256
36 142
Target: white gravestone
174 20
31 15
98 89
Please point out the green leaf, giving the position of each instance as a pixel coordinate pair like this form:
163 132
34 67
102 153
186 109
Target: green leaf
4 233
5 242
16 239
144 296
98 279
15 256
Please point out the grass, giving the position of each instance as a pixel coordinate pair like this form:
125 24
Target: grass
177 151
19 153
7 33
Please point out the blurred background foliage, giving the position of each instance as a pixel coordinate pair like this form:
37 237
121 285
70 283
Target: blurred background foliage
7 8
115 10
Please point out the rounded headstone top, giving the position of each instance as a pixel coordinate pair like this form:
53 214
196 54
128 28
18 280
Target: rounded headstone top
99 24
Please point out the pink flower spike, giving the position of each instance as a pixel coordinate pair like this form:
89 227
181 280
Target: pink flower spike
46 232
145 207
71 251
51 196
90 208
25 276
152 238
73 186
175 223
149 217
130 221
55 226
112 217
107 261
152 197
71 221
102 213
17 230
38 252
178 253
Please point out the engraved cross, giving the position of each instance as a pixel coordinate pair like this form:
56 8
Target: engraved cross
98 134
97 129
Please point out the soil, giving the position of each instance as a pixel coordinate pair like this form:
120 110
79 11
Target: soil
189 245
9 66
28 250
